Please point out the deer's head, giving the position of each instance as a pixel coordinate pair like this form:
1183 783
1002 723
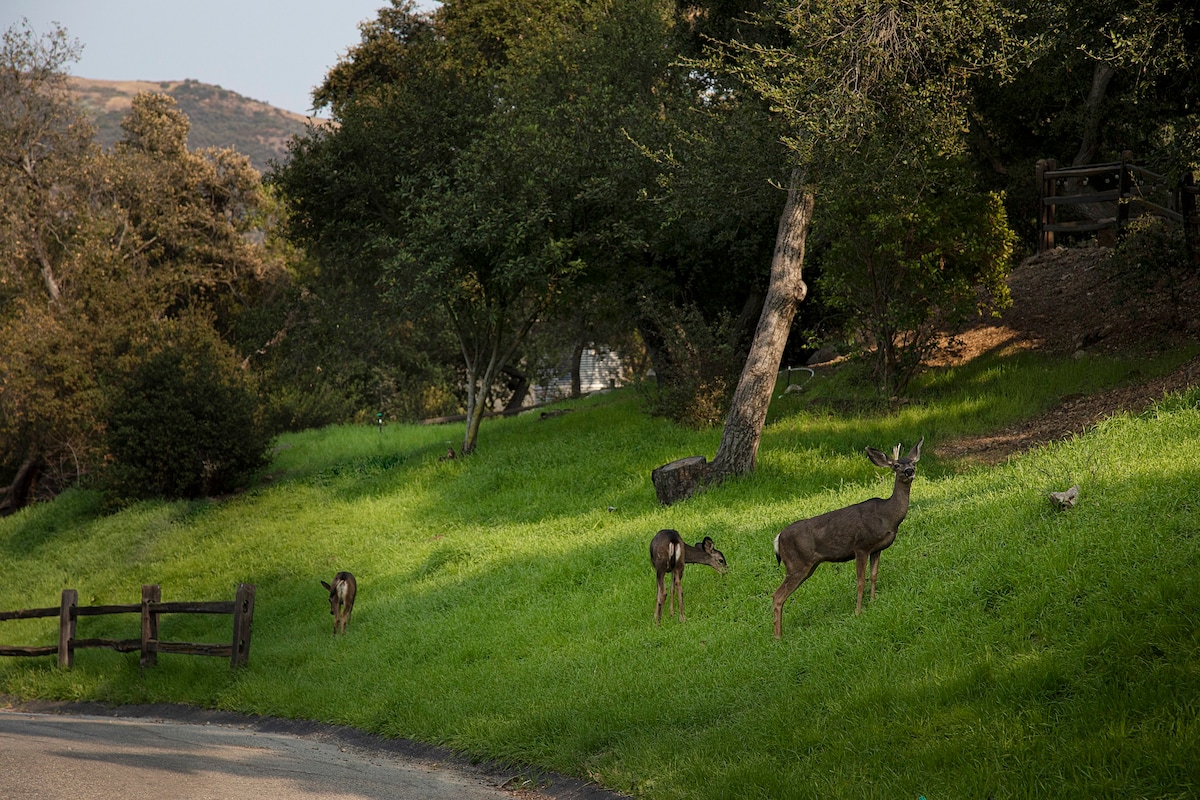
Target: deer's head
905 468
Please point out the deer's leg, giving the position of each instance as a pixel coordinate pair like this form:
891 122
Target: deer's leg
679 589
662 595
789 585
874 571
860 569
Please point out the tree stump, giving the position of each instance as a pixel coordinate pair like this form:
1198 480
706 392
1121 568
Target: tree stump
680 479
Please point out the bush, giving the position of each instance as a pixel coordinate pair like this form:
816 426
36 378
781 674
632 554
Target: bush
903 267
698 368
1152 257
183 422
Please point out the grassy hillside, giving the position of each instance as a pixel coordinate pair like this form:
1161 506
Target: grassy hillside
219 117
506 600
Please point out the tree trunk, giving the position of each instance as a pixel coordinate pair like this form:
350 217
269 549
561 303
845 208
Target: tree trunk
679 479
738 452
1089 140
16 496
478 394
43 258
520 392
576 370
1089 143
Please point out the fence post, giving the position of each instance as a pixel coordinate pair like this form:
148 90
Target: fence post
1126 184
1187 206
1047 188
66 628
151 593
243 616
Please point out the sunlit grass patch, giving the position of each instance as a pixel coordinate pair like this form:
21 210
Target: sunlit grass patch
506 599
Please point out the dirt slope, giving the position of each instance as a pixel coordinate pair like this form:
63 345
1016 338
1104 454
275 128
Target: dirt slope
1072 302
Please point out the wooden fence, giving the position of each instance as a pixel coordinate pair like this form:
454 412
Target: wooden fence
149 645
1125 188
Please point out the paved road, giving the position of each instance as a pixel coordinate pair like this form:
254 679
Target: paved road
84 757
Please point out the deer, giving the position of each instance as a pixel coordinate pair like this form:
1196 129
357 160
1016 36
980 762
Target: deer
860 532
669 553
341 600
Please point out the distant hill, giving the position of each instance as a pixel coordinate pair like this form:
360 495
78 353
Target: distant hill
219 117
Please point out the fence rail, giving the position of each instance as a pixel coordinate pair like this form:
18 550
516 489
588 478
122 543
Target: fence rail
1130 189
241 608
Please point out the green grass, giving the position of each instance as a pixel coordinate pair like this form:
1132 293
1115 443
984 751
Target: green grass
505 611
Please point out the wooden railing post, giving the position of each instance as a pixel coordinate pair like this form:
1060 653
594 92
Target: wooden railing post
1126 191
1187 206
1047 190
66 628
243 617
151 593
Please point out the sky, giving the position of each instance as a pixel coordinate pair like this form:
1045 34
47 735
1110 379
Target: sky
271 51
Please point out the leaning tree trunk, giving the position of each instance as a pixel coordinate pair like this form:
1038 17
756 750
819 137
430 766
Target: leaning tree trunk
1089 139
1089 143
738 451
15 497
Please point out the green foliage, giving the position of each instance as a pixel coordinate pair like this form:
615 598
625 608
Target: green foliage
505 612
1152 255
1096 77
904 265
877 83
462 176
183 422
102 253
697 366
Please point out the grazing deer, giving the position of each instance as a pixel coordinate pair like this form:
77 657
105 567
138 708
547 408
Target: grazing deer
341 600
858 532
669 553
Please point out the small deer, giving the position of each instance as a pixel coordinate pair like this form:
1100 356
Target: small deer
341 600
860 532
669 553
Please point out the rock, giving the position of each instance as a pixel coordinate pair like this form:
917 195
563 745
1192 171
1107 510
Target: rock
1065 500
822 356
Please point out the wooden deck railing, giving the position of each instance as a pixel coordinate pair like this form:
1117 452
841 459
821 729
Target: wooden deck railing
1126 191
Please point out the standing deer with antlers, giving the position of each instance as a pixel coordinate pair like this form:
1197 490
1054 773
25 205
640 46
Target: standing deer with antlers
341 600
669 553
860 532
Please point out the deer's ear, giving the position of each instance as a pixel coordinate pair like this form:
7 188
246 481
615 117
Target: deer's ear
327 586
914 455
878 458
708 545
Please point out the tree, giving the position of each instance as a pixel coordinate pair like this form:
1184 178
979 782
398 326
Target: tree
738 451
100 251
708 211
913 260
880 85
463 172
183 420
379 193
45 144
42 138
1096 77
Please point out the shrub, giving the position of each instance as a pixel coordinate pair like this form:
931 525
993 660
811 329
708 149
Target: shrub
183 422
904 266
698 367
1152 257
